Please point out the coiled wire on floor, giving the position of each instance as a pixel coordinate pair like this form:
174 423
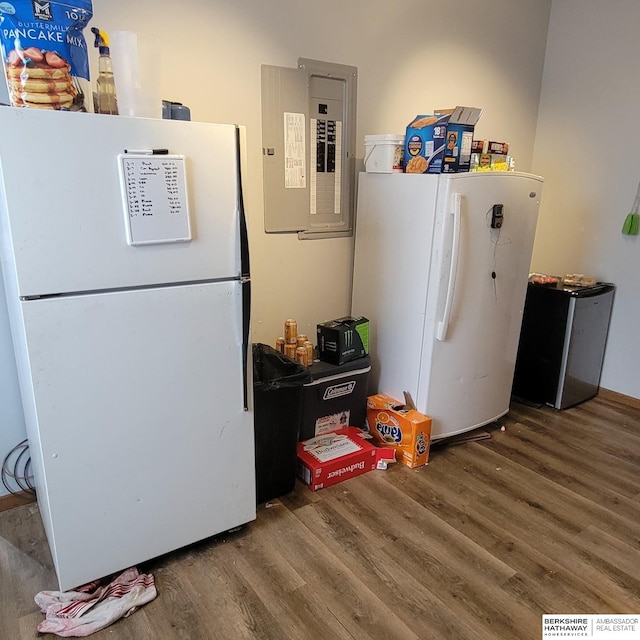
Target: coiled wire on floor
17 477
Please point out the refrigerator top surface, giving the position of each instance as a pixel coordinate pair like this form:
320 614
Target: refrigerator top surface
576 291
66 214
489 175
482 176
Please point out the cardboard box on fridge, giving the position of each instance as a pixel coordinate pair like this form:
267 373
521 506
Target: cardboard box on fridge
459 140
490 146
491 162
333 457
424 144
441 143
394 424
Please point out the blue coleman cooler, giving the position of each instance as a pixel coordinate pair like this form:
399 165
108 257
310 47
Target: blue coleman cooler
335 398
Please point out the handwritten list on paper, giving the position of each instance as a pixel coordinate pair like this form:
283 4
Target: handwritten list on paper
155 197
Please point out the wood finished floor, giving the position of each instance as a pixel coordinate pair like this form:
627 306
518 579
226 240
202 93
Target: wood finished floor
541 518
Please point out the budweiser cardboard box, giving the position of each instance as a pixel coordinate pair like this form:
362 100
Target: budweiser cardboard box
334 457
343 339
441 143
394 424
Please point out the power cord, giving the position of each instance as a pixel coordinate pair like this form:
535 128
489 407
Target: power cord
20 475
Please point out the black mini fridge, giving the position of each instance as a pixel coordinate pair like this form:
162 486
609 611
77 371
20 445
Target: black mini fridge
562 343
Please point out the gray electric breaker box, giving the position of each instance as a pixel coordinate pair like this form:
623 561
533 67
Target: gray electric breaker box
308 147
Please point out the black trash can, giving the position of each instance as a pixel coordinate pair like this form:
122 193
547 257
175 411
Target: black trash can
277 408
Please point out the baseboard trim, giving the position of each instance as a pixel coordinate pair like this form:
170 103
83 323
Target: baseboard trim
16 500
619 397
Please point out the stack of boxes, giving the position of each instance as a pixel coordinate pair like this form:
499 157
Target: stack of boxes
441 142
336 397
342 432
335 402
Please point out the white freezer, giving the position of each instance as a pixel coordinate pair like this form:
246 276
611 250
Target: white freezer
444 291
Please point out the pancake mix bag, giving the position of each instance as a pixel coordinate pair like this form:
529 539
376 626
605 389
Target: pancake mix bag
44 53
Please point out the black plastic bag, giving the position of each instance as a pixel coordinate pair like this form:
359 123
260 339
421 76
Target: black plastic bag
277 399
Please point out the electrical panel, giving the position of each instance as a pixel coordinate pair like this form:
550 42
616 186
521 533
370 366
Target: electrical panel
308 146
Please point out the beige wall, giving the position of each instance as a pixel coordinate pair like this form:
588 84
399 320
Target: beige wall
587 147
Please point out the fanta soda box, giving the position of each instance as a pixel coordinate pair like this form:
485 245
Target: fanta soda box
394 424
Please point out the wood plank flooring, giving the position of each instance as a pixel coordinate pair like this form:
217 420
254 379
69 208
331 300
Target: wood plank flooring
543 517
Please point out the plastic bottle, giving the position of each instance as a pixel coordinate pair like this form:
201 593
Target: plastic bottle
104 98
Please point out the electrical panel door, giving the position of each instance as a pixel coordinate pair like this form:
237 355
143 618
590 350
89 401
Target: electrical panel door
308 134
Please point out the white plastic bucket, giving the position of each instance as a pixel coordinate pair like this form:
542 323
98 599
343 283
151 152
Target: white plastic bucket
384 153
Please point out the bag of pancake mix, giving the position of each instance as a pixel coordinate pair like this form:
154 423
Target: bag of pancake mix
44 53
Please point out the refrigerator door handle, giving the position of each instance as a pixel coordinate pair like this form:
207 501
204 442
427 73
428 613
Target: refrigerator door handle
244 236
443 325
246 328
245 277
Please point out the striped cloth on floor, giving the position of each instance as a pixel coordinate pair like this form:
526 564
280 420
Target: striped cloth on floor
96 605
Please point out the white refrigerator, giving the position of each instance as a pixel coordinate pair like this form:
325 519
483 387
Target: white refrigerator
440 270
125 259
